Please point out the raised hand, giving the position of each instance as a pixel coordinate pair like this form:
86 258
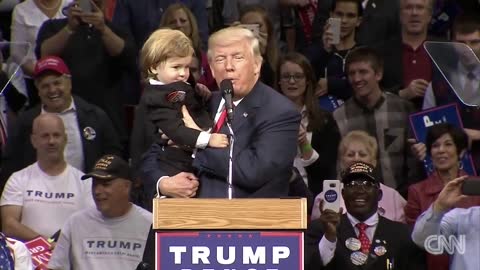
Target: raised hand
450 195
418 149
95 18
416 88
330 220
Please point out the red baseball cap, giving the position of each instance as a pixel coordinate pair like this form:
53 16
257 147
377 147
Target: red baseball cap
50 63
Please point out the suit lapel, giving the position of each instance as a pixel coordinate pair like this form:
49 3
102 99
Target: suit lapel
248 106
214 102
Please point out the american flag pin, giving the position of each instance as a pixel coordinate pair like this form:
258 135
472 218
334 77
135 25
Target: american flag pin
245 114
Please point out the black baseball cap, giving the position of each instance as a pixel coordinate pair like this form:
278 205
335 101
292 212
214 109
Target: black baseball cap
110 167
359 171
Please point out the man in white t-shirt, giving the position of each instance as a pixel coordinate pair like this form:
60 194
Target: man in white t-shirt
38 199
113 235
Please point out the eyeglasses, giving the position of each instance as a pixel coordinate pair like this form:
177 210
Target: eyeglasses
359 184
296 77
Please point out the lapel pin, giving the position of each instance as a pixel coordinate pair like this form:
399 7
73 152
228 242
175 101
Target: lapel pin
380 250
245 114
353 244
374 6
358 258
89 133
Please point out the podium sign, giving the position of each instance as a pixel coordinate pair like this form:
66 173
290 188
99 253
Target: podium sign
220 250
222 234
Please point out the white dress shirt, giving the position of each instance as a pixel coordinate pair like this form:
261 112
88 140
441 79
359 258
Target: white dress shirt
73 152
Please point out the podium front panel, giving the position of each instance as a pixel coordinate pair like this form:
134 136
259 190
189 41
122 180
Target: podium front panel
220 250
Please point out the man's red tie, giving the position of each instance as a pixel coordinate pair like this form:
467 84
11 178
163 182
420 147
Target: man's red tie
220 121
362 236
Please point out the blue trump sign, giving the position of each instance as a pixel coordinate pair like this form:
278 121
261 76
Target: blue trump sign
421 121
229 250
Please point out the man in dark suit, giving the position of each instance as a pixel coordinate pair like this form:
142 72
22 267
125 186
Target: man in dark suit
90 132
265 126
360 239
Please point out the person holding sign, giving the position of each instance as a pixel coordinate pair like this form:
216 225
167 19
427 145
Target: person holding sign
445 144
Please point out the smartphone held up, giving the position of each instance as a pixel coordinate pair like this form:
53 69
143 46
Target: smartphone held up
332 194
471 186
334 29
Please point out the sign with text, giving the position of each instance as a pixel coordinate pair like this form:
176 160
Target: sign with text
421 121
222 250
40 250
329 103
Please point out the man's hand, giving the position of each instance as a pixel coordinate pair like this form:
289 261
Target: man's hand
416 88
203 91
330 220
181 185
95 18
188 120
327 38
418 149
322 88
74 15
218 140
450 195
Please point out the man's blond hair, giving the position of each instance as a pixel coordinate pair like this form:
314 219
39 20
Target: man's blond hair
161 45
232 35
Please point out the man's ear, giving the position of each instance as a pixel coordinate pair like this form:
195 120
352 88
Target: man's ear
258 65
32 141
380 194
379 75
359 21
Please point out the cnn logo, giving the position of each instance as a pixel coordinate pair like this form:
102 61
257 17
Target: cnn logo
440 244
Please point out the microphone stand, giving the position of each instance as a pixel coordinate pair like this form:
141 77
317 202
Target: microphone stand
230 161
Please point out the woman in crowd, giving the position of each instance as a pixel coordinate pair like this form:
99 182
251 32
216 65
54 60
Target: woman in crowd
27 17
318 136
257 15
356 146
446 144
178 16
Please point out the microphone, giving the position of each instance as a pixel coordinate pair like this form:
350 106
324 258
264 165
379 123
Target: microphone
226 87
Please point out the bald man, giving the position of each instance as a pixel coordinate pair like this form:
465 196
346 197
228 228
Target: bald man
38 199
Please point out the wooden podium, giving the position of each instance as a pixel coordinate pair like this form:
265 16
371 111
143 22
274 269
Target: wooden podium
220 234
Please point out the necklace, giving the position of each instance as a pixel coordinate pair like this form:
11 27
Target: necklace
45 7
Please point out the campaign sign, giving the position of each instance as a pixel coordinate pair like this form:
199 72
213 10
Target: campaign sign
329 103
40 251
421 121
222 250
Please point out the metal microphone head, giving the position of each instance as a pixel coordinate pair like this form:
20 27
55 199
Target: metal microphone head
226 87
